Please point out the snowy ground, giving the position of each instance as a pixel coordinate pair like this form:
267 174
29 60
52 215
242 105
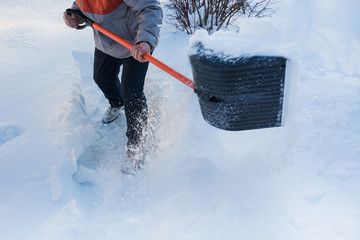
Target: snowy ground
299 181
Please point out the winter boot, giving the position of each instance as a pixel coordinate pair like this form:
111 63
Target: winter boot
134 160
135 154
111 114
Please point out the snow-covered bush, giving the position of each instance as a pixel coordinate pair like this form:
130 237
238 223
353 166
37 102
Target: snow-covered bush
189 15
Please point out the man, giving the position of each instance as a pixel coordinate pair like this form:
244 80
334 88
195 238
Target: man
137 21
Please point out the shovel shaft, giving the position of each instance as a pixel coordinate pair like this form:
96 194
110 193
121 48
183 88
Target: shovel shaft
188 82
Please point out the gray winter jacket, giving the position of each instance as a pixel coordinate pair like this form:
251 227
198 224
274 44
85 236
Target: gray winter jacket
134 20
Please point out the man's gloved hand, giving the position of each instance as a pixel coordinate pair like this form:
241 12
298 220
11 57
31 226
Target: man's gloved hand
138 50
72 20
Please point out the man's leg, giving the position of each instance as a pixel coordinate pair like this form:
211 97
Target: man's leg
106 71
132 82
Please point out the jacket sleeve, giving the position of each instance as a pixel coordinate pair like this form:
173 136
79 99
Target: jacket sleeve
75 6
149 16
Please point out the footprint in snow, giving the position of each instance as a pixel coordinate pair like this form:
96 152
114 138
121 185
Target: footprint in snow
314 199
9 132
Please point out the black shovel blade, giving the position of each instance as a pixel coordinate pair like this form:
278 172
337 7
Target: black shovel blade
251 90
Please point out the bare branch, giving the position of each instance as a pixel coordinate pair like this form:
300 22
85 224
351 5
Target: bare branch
212 15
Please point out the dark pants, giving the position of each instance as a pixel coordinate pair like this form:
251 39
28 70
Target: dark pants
130 91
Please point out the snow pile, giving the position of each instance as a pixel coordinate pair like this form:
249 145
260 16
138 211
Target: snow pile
295 182
256 37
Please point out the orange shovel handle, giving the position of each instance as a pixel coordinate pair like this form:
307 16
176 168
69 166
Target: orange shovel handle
188 82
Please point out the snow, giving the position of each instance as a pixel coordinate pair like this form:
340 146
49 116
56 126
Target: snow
299 181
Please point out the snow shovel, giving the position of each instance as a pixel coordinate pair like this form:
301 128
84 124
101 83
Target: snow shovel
234 94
